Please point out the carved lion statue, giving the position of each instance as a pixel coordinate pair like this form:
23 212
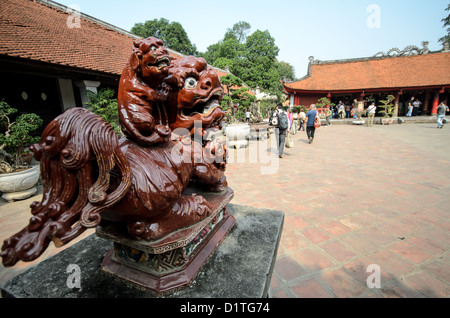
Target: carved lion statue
89 174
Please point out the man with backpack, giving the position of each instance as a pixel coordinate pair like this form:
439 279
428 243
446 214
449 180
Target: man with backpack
280 120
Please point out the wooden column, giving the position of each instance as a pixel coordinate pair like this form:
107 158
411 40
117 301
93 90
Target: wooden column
397 99
435 103
426 102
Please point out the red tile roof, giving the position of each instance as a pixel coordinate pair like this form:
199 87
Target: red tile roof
33 30
395 72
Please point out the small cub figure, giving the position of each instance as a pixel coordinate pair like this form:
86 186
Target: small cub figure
142 93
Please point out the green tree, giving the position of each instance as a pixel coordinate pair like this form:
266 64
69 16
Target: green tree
224 53
387 108
285 70
446 38
252 58
239 31
323 102
16 134
104 104
236 95
256 66
171 33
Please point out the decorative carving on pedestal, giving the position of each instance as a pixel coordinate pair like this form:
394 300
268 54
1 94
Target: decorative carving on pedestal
143 183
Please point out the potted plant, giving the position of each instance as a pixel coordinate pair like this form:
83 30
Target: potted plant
17 177
387 109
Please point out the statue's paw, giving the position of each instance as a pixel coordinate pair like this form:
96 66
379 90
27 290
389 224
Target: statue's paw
215 152
163 132
186 212
220 186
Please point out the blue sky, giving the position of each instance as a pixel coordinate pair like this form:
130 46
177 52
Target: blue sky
325 29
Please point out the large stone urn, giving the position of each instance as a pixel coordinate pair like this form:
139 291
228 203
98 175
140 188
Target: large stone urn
237 135
19 185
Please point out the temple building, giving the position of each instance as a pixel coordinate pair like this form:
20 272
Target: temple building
51 55
412 72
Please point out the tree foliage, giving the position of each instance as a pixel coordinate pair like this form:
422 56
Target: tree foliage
252 58
104 104
15 135
171 33
239 31
236 95
446 38
324 102
387 108
285 70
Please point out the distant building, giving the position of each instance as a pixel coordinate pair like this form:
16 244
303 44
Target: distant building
51 55
403 74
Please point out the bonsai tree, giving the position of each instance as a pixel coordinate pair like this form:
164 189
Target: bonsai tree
387 107
322 103
236 94
15 137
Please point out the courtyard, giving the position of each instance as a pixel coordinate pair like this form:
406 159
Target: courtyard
354 197
357 197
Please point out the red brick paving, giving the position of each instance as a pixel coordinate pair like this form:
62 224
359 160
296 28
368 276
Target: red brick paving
359 196
356 196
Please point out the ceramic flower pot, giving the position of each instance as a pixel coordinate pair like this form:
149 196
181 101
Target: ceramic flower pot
19 185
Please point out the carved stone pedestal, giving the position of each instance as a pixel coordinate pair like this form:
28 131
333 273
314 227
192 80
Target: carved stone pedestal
171 263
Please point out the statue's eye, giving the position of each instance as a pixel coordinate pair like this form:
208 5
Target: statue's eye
153 48
190 83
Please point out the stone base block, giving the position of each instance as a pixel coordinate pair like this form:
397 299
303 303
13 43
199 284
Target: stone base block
240 267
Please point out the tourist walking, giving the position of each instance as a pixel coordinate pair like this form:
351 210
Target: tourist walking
442 108
302 118
294 121
247 116
341 110
282 128
353 112
347 110
291 118
310 120
410 107
371 114
328 114
416 106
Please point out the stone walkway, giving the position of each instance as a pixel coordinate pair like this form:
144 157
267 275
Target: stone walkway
356 199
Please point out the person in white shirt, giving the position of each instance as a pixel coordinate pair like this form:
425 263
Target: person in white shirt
371 114
247 116
301 119
416 107
294 122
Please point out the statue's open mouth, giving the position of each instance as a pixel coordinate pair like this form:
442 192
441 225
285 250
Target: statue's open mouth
160 63
205 106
